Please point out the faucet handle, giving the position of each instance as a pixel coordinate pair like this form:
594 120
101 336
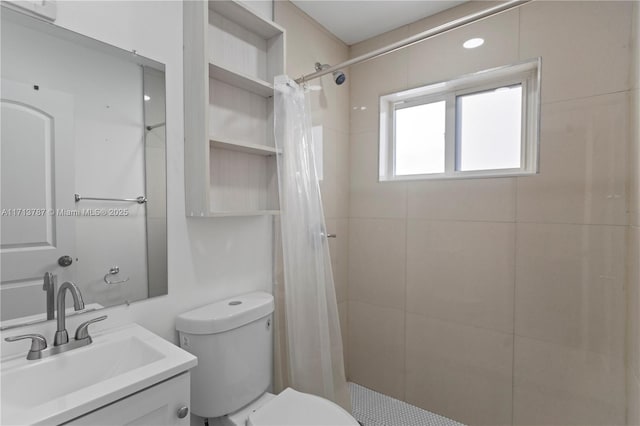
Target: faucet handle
48 282
38 344
82 332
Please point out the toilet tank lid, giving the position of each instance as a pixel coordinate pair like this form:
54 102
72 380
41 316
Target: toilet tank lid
226 314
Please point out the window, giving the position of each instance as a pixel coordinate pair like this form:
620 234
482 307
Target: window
420 139
481 125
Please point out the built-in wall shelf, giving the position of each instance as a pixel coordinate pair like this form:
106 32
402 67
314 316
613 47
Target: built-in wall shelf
243 16
249 148
231 56
241 81
245 213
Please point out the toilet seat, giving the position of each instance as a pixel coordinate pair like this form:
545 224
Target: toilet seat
293 408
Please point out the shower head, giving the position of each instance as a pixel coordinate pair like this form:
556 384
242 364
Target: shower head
338 76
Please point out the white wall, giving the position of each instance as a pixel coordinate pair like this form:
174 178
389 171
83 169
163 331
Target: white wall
208 259
263 8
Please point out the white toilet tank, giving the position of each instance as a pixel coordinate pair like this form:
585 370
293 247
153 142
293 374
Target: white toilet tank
232 339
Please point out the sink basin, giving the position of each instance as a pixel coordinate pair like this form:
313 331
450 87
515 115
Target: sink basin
73 371
64 386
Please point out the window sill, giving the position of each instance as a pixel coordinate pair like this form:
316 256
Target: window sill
466 175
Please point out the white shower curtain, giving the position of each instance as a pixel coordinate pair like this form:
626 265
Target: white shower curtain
309 355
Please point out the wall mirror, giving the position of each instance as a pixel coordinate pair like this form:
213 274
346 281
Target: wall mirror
83 171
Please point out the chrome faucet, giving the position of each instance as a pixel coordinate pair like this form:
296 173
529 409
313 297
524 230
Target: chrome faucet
49 285
61 336
61 342
39 347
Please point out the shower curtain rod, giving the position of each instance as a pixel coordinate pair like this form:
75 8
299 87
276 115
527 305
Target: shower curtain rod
457 23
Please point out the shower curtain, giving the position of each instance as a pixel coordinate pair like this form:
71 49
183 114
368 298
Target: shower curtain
309 354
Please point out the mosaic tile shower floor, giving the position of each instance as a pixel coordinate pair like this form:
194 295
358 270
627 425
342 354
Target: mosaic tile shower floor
371 408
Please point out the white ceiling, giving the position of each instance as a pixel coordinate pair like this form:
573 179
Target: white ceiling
355 20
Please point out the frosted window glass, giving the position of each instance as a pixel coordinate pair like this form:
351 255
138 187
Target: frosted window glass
490 129
420 139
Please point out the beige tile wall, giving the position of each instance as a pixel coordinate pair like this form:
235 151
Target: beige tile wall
633 328
502 301
633 239
307 43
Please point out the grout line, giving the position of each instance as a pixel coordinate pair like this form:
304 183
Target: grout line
423 315
518 222
613 357
582 98
375 305
513 318
406 293
515 255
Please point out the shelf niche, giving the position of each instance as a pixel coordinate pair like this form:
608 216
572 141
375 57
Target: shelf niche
230 60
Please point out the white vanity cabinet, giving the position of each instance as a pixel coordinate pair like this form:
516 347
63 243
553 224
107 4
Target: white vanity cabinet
159 405
127 376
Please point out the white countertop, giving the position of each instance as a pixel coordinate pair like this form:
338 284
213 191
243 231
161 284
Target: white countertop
61 387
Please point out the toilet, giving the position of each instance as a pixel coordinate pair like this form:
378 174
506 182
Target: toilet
233 340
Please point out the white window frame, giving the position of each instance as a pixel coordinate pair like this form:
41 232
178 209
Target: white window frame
525 73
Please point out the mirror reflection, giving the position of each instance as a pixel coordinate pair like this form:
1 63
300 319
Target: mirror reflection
83 186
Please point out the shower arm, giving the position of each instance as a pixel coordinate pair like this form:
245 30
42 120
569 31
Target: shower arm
452 25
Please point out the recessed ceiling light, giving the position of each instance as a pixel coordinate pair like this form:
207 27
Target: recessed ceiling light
472 43
147 97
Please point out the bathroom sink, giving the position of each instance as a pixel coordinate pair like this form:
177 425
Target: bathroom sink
64 386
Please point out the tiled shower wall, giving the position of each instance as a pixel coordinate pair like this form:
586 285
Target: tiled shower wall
307 43
633 262
499 301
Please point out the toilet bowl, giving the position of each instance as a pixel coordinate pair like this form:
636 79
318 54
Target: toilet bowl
293 408
233 340
289 408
